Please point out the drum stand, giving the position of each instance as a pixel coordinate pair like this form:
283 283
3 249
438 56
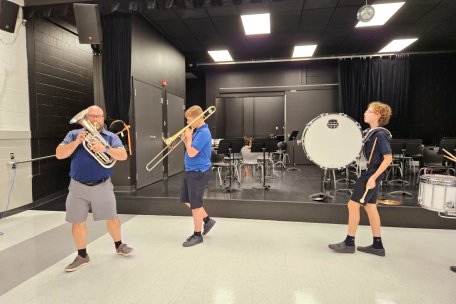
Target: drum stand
346 180
403 181
322 195
293 138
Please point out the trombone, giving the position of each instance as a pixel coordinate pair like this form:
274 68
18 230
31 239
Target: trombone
170 140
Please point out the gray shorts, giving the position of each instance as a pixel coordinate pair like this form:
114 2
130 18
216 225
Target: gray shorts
99 199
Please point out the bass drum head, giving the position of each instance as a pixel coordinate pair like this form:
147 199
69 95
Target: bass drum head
332 140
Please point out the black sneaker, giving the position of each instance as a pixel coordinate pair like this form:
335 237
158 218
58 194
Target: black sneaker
453 268
372 250
193 240
342 248
208 226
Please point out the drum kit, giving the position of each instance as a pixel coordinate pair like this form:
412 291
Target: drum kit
335 140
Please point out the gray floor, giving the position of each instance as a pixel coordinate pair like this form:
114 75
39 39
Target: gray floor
240 261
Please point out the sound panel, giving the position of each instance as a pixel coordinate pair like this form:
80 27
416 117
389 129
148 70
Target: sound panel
8 15
88 23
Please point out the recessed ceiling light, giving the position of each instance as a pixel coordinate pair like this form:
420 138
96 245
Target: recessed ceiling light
256 24
304 50
397 45
220 56
383 12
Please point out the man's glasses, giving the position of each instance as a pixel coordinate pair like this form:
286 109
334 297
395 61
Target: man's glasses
95 116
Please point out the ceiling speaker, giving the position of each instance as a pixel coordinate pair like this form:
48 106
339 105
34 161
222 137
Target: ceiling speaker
88 23
8 15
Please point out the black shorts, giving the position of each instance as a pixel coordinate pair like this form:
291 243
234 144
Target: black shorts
193 186
360 188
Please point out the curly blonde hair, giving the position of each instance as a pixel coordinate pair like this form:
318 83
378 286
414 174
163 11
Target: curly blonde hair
383 109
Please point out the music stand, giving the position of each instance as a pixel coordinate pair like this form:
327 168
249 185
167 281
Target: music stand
292 138
264 145
230 146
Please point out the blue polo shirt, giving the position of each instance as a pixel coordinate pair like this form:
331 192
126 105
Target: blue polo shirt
84 167
201 141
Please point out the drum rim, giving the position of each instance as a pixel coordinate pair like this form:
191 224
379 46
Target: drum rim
427 179
326 114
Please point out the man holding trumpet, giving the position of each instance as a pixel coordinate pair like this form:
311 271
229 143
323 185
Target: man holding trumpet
378 148
197 139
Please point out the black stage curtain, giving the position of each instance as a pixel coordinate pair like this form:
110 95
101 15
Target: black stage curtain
363 80
432 99
116 59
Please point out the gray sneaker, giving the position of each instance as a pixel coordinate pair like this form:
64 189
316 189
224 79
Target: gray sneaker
78 262
342 248
208 226
372 250
193 240
124 250
453 268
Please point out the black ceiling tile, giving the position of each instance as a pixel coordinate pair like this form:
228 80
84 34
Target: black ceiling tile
420 29
174 28
186 45
228 25
287 5
344 16
315 19
161 14
314 4
285 22
357 3
411 12
444 10
213 43
193 13
442 31
254 8
223 11
308 37
201 27
335 35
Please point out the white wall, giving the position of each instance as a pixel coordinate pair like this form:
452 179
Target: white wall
14 116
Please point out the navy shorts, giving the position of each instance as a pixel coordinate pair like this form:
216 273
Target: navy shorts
193 186
360 188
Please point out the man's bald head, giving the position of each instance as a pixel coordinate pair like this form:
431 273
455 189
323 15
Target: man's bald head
95 115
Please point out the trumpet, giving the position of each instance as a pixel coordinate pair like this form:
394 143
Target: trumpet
170 140
104 159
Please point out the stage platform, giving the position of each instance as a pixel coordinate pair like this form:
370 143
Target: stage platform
287 200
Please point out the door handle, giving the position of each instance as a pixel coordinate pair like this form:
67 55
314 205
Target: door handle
153 137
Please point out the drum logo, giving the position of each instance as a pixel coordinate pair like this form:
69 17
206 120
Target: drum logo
332 124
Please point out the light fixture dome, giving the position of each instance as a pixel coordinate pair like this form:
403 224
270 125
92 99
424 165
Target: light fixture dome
365 13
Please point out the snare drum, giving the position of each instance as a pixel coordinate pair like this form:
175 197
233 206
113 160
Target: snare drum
438 193
332 140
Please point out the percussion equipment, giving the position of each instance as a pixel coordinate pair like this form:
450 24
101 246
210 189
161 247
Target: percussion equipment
332 140
438 193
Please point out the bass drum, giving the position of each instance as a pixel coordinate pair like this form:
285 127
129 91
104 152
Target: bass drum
332 140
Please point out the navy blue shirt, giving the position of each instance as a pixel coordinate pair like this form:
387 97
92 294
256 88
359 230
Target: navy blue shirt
84 167
382 147
201 141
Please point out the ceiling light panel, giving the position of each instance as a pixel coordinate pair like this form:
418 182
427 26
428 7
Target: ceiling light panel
383 12
256 24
